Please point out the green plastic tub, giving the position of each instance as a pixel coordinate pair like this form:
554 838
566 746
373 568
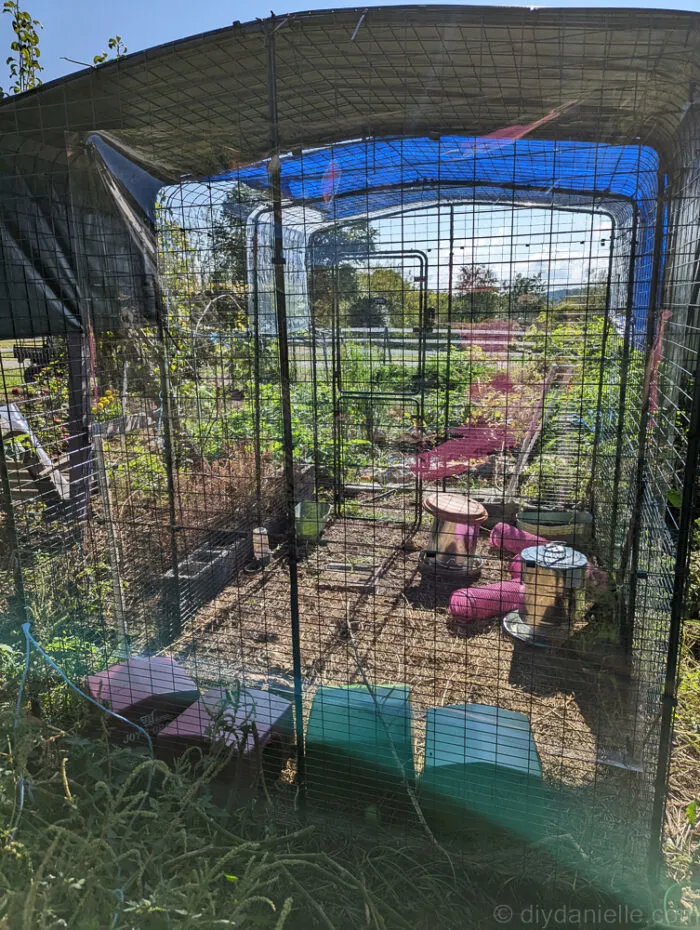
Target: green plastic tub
349 755
311 518
482 773
569 526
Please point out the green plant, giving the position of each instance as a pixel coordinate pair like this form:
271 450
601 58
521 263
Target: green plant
107 406
478 296
24 63
47 412
11 664
115 45
140 469
115 839
69 593
79 657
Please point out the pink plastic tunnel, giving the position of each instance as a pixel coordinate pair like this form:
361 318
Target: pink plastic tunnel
491 600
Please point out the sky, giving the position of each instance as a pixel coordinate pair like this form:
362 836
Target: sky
566 248
79 29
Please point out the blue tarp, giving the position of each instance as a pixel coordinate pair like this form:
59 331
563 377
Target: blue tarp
367 177
374 167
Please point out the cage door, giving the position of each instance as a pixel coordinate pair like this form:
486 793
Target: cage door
379 335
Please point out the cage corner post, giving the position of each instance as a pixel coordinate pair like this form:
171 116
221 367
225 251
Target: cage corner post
278 261
79 346
171 624
19 607
629 556
79 443
679 598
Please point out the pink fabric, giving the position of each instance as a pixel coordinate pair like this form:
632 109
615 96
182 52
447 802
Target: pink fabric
470 533
655 361
519 130
516 568
331 179
502 383
508 134
454 457
491 600
511 539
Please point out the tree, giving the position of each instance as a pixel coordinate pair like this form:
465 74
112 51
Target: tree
368 311
333 254
225 246
24 62
526 294
399 297
338 244
478 293
328 284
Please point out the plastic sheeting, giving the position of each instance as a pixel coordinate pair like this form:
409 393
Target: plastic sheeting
113 210
157 116
261 269
38 284
74 239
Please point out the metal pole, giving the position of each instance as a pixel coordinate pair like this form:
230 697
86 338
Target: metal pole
112 544
631 547
288 439
18 576
79 437
450 280
257 348
624 372
174 618
601 374
314 369
337 389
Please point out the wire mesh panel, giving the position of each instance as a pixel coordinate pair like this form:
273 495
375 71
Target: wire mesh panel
391 416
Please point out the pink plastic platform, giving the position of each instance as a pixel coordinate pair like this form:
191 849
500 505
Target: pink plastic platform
230 716
455 456
149 690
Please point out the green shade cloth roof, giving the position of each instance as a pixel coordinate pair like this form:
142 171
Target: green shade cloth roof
199 107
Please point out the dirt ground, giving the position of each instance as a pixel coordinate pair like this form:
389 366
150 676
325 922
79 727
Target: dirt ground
578 697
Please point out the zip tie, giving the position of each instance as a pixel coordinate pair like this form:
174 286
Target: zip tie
359 23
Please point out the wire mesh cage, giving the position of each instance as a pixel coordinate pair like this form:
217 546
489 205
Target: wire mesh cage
363 374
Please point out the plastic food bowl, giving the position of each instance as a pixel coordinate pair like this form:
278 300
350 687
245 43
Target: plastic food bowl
570 526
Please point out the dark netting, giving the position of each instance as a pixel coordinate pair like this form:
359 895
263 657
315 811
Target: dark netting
351 360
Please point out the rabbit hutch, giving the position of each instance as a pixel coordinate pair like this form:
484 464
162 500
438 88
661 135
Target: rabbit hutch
372 391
